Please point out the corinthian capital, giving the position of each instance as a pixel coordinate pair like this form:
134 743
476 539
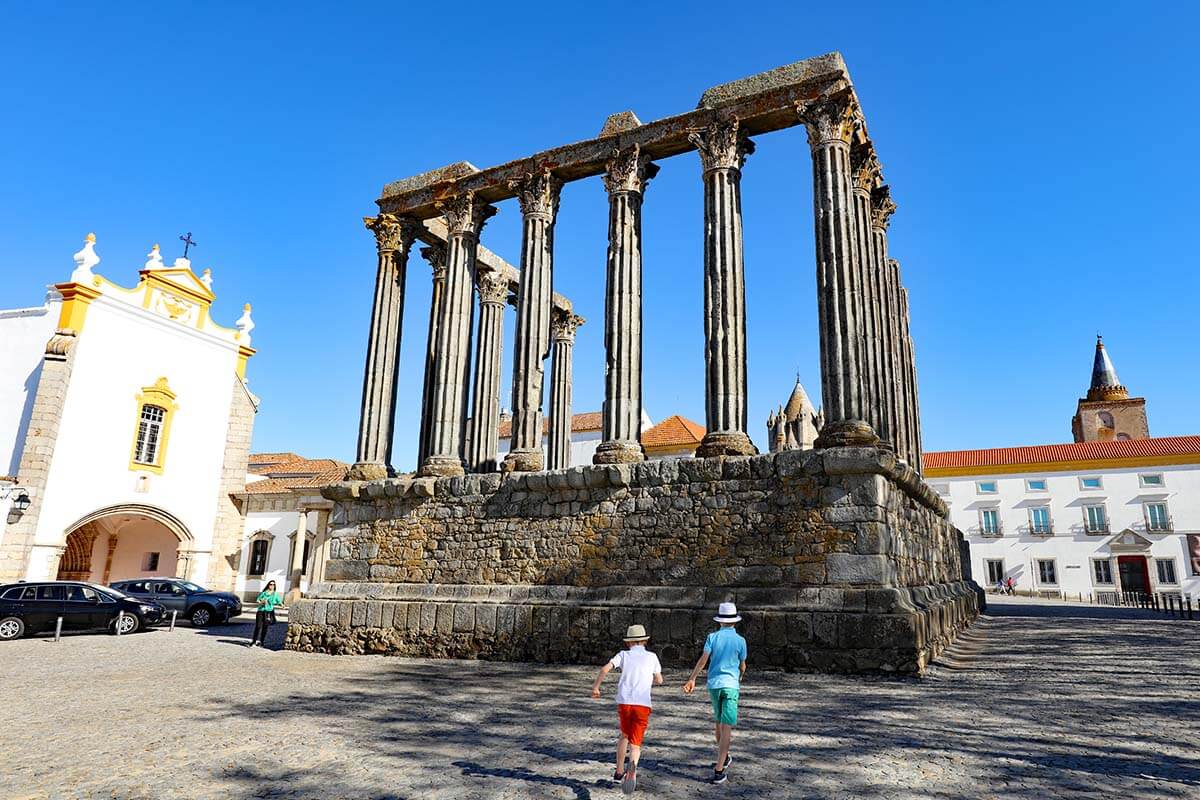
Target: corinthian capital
629 171
720 145
865 167
563 326
832 118
882 206
492 286
465 215
538 194
435 254
392 233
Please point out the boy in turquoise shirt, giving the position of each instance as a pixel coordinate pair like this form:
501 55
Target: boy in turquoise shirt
725 655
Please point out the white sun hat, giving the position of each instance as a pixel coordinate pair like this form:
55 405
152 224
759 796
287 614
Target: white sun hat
727 612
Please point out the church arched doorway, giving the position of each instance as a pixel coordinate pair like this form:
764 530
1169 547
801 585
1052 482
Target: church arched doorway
122 542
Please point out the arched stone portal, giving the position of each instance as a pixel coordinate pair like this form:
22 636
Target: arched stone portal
127 541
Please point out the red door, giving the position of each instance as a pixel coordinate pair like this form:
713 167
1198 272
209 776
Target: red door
1135 574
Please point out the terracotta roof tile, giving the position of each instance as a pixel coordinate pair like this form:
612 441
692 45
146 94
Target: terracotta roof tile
587 421
1072 451
673 432
284 472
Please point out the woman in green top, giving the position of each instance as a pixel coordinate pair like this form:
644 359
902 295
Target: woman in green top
268 600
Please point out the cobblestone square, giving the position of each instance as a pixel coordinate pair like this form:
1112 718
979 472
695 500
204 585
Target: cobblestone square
1037 700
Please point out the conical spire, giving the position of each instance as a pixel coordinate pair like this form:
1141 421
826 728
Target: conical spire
797 403
1105 383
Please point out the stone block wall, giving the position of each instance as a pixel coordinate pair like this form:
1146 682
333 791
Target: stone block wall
841 559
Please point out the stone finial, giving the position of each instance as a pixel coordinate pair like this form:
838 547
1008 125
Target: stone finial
720 145
206 279
154 259
619 123
244 325
182 263
85 259
629 171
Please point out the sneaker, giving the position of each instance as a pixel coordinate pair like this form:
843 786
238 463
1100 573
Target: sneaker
728 761
630 782
718 777
617 777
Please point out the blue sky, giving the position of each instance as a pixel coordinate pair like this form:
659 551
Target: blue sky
1042 156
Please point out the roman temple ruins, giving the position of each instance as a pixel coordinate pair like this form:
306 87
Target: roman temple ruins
841 557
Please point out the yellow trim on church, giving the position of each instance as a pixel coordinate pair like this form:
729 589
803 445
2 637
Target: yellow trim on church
1077 465
160 395
76 299
244 354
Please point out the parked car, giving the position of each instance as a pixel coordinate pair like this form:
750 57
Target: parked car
28 608
192 601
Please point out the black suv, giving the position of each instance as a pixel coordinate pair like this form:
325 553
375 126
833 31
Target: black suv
27 608
192 601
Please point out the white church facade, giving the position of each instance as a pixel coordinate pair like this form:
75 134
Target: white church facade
125 425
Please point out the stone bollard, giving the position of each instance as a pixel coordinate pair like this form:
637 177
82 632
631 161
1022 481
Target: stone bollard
58 629
171 629
120 619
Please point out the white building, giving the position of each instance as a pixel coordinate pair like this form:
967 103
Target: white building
1115 511
281 499
125 423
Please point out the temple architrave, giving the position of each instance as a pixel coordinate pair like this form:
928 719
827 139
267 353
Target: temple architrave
841 557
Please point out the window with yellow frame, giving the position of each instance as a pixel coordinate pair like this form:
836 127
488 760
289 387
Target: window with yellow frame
152 427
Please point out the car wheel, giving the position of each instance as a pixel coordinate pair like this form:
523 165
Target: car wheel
11 628
202 616
129 623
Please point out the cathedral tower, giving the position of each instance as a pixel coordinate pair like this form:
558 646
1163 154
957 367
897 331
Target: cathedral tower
1108 412
794 426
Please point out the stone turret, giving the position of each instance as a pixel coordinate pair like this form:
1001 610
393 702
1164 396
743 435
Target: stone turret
1108 412
794 426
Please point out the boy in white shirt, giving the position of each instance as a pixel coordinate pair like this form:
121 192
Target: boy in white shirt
639 671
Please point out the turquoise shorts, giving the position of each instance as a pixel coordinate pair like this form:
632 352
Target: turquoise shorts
724 703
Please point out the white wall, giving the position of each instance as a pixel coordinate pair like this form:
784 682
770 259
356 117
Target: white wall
1071 547
23 336
121 350
281 524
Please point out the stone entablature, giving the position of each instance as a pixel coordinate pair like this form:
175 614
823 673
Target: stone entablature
800 533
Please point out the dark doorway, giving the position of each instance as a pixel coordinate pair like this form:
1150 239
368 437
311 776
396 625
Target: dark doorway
1135 574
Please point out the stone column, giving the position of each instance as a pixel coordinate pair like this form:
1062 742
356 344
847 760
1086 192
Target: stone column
629 171
832 122
563 329
436 256
465 218
896 359
912 398
866 176
882 209
485 407
393 238
538 196
722 153
297 566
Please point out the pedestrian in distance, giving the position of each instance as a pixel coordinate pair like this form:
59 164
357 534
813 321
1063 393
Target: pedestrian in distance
640 671
725 655
268 600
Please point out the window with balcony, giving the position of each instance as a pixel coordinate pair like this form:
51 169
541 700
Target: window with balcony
1092 483
987 487
989 521
1047 572
1039 520
1036 485
1166 570
1102 571
1152 480
1157 518
1095 519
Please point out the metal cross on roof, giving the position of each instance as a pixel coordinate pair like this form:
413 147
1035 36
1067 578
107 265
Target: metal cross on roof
187 242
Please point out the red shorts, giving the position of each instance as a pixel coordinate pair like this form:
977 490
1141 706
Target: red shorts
634 720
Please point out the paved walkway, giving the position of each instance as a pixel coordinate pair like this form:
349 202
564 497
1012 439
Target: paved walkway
1037 701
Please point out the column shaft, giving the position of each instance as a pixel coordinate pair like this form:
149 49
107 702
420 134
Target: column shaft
393 239
563 335
866 173
436 256
465 217
896 359
628 173
910 365
722 153
538 196
831 123
882 208
485 408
